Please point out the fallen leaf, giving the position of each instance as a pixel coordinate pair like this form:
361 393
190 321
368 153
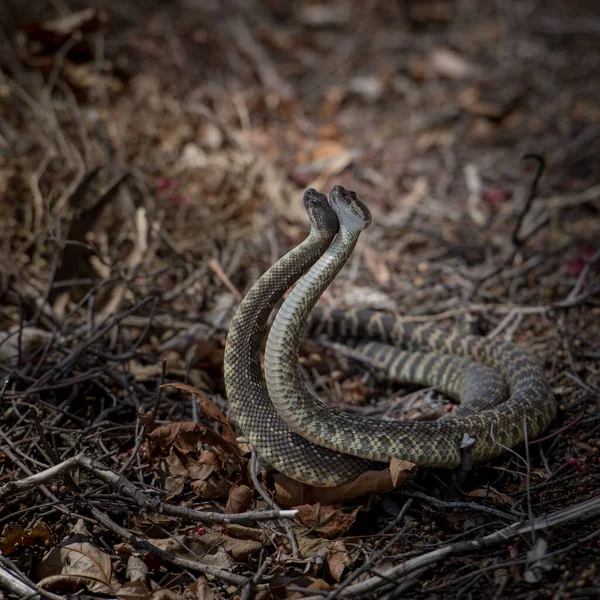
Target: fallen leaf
325 520
25 341
201 589
317 584
14 536
492 494
132 590
137 569
185 436
209 408
338 560
77 564
292 493
400 470
240 498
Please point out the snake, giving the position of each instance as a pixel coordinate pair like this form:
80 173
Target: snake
275 442
524 414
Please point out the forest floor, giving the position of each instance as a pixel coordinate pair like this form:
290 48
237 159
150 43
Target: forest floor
152 162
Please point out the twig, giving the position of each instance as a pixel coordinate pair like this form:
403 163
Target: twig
218 271
28 483
541 165
461 505
263 494
124 486
345 585
17 582
583 511
192 565
255 580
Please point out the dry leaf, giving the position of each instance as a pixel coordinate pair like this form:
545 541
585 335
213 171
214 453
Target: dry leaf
133 590
292 493
31 338
14 536
76 563
185 436
492 494
338 560
201 589
325 520
208 408
137 569
400 470
240 498
317 584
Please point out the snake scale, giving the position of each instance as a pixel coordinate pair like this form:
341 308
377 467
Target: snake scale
313 443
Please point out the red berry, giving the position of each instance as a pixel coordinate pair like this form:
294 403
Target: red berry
581 490
572 461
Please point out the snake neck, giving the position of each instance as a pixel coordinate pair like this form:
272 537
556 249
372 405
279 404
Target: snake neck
282 372
246 388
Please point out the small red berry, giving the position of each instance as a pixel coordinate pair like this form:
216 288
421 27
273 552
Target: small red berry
572 461
581 490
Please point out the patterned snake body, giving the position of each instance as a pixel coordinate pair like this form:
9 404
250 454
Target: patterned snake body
321 453
527 411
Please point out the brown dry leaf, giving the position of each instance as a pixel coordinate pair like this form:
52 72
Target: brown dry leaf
492 494
133 590
292 493
206 478
185 436
325 520
208 408
309 547
493 103
137 570
338 560
240 498
164 594
172 474
76 563
201 590
401 470
14 536
211 547
86 20
205 547
144 372
317 584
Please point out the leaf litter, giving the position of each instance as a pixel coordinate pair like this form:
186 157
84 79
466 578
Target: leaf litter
151 169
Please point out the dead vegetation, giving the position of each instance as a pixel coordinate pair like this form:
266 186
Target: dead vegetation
151 167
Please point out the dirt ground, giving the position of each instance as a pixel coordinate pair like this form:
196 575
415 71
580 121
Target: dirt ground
152 162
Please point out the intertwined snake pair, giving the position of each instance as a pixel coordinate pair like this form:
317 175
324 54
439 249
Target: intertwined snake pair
504 393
